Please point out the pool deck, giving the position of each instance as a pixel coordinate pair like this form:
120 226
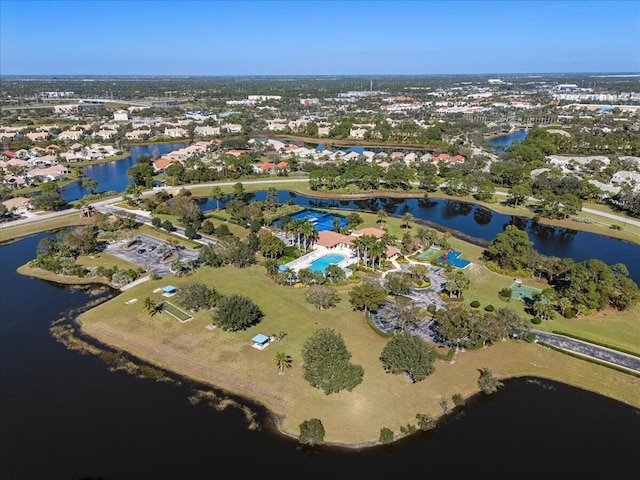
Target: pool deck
306 260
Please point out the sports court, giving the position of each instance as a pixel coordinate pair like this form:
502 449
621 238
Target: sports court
523 292
428 254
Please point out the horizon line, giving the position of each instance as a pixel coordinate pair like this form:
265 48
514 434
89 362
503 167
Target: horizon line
627 73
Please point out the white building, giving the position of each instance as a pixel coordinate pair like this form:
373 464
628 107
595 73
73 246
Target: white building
121 116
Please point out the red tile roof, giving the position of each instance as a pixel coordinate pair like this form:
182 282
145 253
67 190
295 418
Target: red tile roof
376 232
329 238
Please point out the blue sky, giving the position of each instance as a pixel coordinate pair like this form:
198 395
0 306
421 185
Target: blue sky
139 37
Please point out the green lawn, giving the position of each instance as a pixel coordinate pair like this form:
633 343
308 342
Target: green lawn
175 311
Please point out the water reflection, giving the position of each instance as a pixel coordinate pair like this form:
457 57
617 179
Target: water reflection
482 215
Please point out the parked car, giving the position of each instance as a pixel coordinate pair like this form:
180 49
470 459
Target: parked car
141 250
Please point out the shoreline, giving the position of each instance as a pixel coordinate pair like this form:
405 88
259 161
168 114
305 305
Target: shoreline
284 399
276 418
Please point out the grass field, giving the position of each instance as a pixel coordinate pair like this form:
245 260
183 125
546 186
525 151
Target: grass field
226 359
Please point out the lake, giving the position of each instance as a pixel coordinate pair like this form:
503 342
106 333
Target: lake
66 416
112 176
502 142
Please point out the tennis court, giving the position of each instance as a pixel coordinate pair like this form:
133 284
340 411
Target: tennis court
428 254
523 292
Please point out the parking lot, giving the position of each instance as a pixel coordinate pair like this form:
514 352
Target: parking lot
149 252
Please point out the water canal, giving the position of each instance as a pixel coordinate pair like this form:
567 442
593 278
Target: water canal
478 222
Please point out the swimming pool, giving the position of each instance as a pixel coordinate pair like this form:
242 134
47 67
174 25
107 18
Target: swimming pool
452 259
321 264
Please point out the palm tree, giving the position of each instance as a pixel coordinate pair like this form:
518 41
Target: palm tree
149 306
382 215
218 194
307 231
407 218
359 245
334 272
282 361
376 250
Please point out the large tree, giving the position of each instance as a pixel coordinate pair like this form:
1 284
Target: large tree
397 283
326 362
236 312
510 249
196 296
457 281
408 354
81 240
186 210
368 296
271 246
52 201
322 296
454 326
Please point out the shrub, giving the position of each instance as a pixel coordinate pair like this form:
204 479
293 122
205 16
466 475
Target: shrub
536 320
475 304
425 422
408 429
386 435
529 337
432 308
489 308
311 432
458 400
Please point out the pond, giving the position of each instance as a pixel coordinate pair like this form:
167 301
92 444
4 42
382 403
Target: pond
112 176
502 142
480 223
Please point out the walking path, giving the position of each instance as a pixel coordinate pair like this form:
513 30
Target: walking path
590 350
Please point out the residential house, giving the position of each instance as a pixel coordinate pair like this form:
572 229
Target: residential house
207 131
105 134
162 163
48 174
176 132
36 137
70 135
231 128
13 181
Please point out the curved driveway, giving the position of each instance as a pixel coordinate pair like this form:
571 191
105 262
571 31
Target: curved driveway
590 350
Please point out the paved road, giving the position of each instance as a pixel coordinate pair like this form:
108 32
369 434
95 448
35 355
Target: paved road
610 216
594 351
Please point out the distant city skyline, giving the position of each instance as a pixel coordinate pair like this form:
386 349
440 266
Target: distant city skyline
317 37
